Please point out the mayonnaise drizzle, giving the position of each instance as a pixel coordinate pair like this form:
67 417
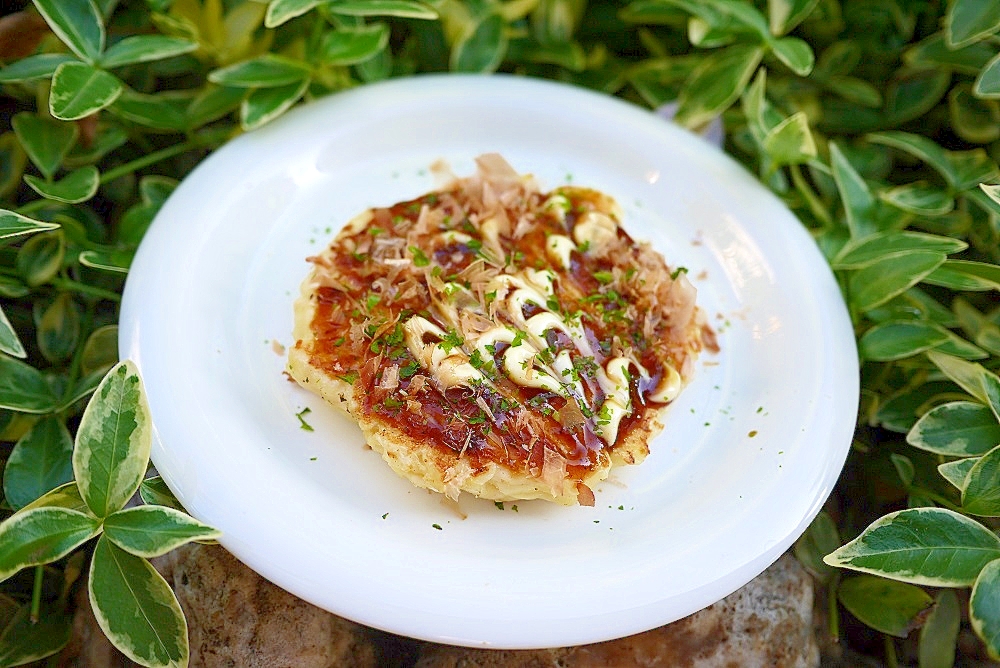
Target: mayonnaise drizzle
522 360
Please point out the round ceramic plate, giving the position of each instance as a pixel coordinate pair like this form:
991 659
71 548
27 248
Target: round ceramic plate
750 451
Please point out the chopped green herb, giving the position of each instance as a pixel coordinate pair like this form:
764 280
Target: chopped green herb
437 526
372 301
302 422
339 341
604 277
677 272
514 507
392 402
409 370
359 257
498 504
518 339
375 231
419 258
451 340
385 515
350 377
312 459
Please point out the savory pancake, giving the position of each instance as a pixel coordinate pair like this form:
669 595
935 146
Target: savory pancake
494 339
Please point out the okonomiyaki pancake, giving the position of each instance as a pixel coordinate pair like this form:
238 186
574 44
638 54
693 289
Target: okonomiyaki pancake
495 339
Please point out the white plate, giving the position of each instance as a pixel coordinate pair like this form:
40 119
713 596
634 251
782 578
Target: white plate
750 451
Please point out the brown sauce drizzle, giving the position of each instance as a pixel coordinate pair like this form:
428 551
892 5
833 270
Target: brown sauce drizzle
358 333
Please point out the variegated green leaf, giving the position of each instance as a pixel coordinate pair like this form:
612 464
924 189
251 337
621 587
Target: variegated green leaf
113 441
981 493
78 186
24 389
784 15
887 606
717 83
25 640
266 104
890 276
136 609
63 496
791 142
154 491
408 9
984 608
988 82
149 531
265 71
957 472
968 21
77 23
41 461
280 11
938 635
45 140
858 253
41 66
42 535
15 225
143 48
79 90
956 429
9 341
925 546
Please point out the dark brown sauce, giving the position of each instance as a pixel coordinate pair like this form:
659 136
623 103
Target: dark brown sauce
453 419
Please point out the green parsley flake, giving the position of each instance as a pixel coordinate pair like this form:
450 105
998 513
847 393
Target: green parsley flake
419 258
302 422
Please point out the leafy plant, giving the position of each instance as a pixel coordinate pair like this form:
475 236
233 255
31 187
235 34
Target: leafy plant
876 121
133 604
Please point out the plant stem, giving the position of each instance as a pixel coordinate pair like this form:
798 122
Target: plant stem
150 159
33 206
812 200
84 289
890 652
937 497
36 594
832 611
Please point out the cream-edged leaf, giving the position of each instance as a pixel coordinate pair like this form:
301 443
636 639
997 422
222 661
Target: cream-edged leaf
77 23
79 90
41 461
9 341
15 225
956 429
984 608
926 546
42 535
24 640
957 472
136 609
113 441
149 531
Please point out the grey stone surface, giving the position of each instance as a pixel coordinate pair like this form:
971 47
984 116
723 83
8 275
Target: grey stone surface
238 619
766 624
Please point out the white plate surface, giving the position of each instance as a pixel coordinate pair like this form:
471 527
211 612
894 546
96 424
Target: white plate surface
750 451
